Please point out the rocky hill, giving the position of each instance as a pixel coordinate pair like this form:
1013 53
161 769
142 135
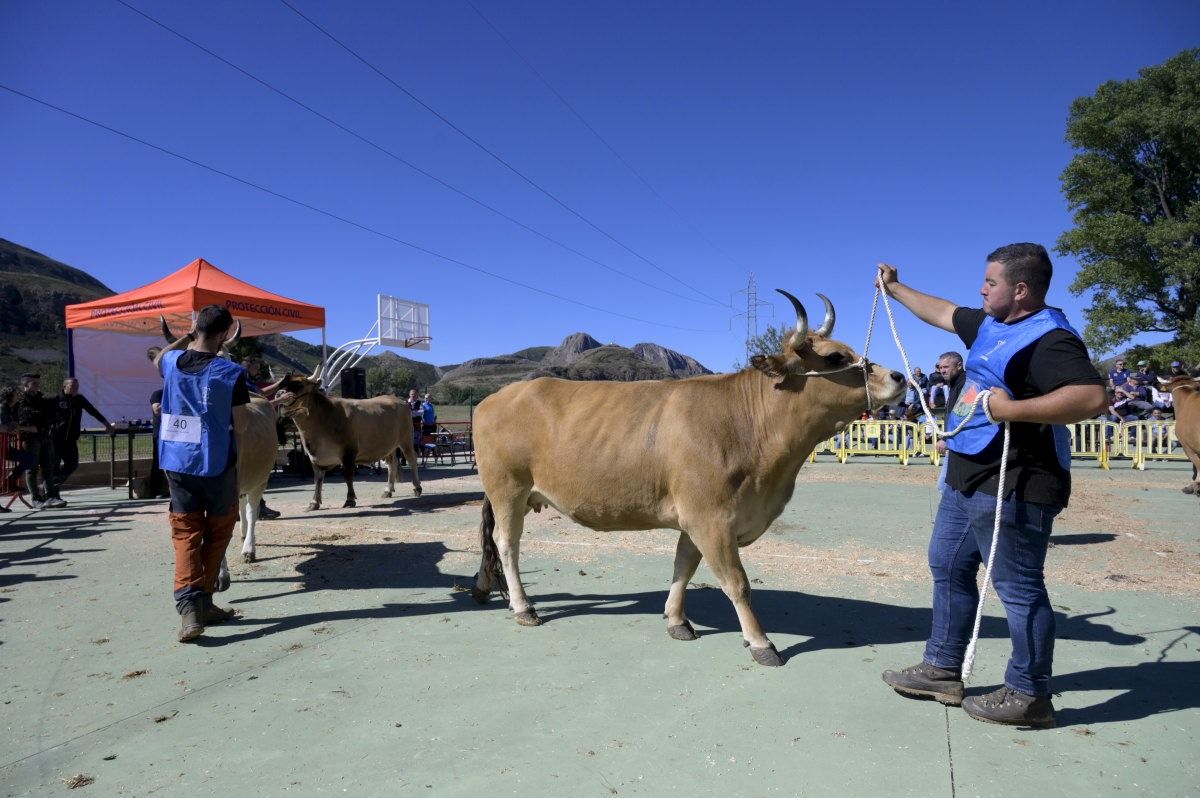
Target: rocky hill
34 290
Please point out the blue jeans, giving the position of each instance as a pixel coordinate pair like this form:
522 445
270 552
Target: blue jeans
962 536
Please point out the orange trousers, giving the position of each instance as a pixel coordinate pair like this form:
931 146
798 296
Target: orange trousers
200 541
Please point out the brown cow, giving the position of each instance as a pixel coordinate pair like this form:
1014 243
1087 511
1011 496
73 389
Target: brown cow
715 457
344 432
1185 396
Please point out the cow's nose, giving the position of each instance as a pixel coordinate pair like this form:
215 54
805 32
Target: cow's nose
897 377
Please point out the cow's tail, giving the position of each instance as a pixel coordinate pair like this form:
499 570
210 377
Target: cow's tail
489 567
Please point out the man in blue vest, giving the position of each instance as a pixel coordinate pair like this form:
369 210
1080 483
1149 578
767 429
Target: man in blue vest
1040 378
203 412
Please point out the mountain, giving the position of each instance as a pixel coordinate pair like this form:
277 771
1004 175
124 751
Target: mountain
578 357
34 290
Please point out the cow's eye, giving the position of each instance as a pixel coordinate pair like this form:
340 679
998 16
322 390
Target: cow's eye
836 359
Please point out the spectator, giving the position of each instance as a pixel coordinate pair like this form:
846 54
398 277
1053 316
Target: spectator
417 413
203 414
911 397
259 383
428 417
1132 399
1147 374
35 414
1160 432
1176 370
1118 375
69 409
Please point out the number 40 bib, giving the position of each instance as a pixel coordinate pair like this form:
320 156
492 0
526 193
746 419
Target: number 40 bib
184 429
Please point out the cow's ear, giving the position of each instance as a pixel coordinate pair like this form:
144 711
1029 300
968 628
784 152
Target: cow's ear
771 365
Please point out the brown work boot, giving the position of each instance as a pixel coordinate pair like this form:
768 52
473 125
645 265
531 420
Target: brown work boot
927 681
192 625
211 614
1010 708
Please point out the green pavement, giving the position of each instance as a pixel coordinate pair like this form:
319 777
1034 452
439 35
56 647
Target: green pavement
358 667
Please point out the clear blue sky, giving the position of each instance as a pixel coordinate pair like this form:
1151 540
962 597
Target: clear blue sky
798 142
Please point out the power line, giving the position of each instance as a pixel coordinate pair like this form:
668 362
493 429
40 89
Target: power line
397 157
600 138
496 157
338 218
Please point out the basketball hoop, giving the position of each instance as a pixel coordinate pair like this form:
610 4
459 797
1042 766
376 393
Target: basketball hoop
398 322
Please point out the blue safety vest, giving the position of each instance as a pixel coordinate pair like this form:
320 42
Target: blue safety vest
195 436
996 345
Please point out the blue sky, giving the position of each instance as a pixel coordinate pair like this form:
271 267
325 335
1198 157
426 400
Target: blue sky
799 142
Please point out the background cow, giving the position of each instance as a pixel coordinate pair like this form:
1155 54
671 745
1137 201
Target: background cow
1185 396
344 432
715 457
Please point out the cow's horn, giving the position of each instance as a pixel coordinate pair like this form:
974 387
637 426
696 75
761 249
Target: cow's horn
268 389
826 328
801 314
166 330
232 341
316 375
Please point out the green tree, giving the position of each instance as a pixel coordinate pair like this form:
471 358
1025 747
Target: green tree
1134 188
389 379
768 343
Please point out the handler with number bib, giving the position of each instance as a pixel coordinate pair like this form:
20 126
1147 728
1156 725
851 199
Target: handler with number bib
1040 377
203 412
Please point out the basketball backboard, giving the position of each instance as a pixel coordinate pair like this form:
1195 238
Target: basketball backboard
403 323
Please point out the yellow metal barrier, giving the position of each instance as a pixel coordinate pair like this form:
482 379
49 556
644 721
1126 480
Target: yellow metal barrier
1150 440
899 439
1095 439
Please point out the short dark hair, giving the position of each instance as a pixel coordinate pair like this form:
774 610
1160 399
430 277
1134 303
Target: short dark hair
1026 263
29 375
213 320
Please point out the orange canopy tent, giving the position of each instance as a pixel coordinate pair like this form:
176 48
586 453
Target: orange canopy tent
178 296
107 338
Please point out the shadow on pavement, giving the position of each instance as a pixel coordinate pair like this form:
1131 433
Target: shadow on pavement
1081 538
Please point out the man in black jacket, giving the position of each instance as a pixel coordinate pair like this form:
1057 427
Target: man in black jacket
68 416
35 415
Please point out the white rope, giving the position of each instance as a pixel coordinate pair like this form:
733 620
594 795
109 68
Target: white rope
984 397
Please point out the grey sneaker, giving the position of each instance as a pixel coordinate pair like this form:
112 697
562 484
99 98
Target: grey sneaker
1010 708
191 625
927 681
38 504
56 501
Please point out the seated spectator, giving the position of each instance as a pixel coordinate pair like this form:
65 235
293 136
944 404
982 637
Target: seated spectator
1160 431
1132 399
1147 375
1118 375
1176 370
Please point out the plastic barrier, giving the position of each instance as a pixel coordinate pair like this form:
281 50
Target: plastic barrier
1095 439
1150 440
899 439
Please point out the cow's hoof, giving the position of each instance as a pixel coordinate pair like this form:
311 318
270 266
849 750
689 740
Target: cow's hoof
387 494
417 490
350 503
682 631
1190 489
481 596
766 656
312 506
222 583
247 556
529 618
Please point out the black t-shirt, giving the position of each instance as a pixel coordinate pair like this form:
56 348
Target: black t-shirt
1056 359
